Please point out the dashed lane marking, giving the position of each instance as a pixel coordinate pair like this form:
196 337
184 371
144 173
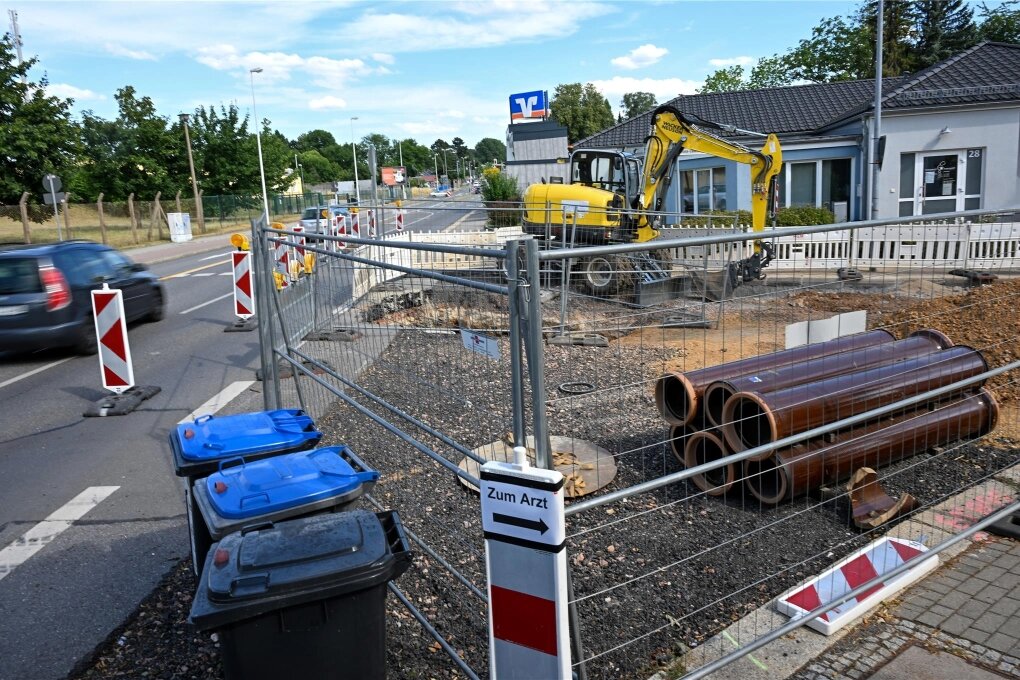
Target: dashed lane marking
43 533
208 302
29 374
192 271
219 400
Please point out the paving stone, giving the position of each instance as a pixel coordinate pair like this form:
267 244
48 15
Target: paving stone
973 609
944 612
976 635
1012 625
1003 643
972 586
930 618
1006 606
992 574
957 624
991 594
954 599
1010 579
989 623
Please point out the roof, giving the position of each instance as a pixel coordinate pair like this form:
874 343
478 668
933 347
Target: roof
987 72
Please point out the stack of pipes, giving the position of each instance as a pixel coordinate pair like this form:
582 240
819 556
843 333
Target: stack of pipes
716 411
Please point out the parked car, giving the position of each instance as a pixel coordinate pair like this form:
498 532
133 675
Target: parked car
315 219
45 300
441 193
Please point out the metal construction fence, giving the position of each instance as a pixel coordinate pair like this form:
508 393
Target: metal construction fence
688 514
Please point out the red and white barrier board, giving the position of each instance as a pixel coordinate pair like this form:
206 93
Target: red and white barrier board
244 295
526 564
356 225
299 242
371 224
111 333
400 219
873 560
283 261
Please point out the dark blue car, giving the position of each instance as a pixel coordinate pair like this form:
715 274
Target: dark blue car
45 300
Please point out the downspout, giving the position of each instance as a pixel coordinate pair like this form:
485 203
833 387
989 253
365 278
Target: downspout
877 129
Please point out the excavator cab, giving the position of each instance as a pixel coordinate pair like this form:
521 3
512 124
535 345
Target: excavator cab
607 170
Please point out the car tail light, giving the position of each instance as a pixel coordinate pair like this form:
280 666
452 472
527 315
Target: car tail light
58 293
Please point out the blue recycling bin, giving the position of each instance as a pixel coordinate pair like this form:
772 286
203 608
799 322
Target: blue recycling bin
244 494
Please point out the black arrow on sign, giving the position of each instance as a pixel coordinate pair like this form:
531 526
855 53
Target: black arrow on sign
538 525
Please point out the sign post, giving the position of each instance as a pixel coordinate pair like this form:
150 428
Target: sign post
526 564
52 184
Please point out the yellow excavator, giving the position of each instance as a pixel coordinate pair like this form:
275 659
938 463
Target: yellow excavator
617 197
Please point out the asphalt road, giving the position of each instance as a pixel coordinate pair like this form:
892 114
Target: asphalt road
90 572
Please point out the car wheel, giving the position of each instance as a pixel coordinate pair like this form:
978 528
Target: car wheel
158 311
85 342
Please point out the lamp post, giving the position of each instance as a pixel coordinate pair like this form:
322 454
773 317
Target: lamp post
194 183
258 140
301 173
354 152
446 168
400 150
435 164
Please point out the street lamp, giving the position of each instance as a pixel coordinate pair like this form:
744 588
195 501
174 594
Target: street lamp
435 164
354 152
194 183
301 172
446 168
258 140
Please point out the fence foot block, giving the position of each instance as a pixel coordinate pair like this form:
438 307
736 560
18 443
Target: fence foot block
585 339
242 326
121 404
335 335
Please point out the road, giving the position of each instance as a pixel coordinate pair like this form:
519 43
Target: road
98 496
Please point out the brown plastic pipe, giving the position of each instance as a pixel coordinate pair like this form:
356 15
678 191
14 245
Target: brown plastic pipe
704 447
678 395
805 467
755 418
771 379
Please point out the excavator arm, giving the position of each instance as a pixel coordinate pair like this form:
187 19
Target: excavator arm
671 133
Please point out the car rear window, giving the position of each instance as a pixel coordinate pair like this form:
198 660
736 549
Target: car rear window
310 214
19 275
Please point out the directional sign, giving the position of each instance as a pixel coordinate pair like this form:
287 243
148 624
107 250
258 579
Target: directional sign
111 331
54 199
244 297
523 506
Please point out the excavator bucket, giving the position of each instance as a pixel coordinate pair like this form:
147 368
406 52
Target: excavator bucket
712 284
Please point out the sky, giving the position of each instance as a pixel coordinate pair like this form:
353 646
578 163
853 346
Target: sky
426 70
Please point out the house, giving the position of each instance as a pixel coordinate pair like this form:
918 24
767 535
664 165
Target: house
951 141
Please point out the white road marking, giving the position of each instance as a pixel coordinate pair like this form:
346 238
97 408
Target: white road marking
226 274
191 309
43 533
29 374
213 257
206 274
219 400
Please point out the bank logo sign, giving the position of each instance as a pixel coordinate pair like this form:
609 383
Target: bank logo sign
527 105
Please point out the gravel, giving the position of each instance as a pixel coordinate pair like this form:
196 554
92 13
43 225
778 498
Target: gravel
649 579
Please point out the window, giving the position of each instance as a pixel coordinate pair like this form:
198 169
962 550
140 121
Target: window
703 190
940 181
823 183
802 183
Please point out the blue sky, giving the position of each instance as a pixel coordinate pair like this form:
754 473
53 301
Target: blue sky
427 69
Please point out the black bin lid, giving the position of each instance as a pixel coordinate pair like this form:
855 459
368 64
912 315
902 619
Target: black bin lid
273 566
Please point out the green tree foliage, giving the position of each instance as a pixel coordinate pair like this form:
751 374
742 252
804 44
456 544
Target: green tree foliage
728 79
417 157
488 148
139 152
226 153
769 72
1001 24
944 28
460 147
636 103
839 49
316 168
581 109
37 135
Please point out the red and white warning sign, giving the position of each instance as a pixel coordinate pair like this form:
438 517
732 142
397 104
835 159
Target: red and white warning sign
244 296
400 219
371 224
877 558
111 332
339 228
283 261
299 242
356 225
526 564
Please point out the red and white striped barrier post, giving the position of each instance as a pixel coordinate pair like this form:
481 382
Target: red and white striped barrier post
526 564
371 224
400 219
283 262
244 293
355 225
111 331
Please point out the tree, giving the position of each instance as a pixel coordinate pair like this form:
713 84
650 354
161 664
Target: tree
724 80
636 103
945 28
581 109
839 49
316 168
315 140
37 135
489 148
769 72
1001 24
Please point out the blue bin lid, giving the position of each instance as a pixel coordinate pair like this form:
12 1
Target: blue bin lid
270 486
212 438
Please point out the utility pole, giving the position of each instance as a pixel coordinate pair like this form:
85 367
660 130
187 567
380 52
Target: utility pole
876 134
16 35
199 212
400 149
354 152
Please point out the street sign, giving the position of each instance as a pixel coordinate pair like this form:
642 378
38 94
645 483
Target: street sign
526 565
54 199
244 304
52 183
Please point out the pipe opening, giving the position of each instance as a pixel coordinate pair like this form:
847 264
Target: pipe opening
766 480
677 399
751 423
715 399
707 450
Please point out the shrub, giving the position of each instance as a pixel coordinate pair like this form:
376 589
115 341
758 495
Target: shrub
803 216
502 196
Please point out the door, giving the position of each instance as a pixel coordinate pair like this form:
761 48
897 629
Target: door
940 186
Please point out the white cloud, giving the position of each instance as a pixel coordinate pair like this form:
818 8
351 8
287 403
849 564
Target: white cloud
384 58
664 89
453 113
639 57
732 61
279 66
64 91
327 102
467 25
121 51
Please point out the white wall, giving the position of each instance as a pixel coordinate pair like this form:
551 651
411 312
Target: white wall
997 131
